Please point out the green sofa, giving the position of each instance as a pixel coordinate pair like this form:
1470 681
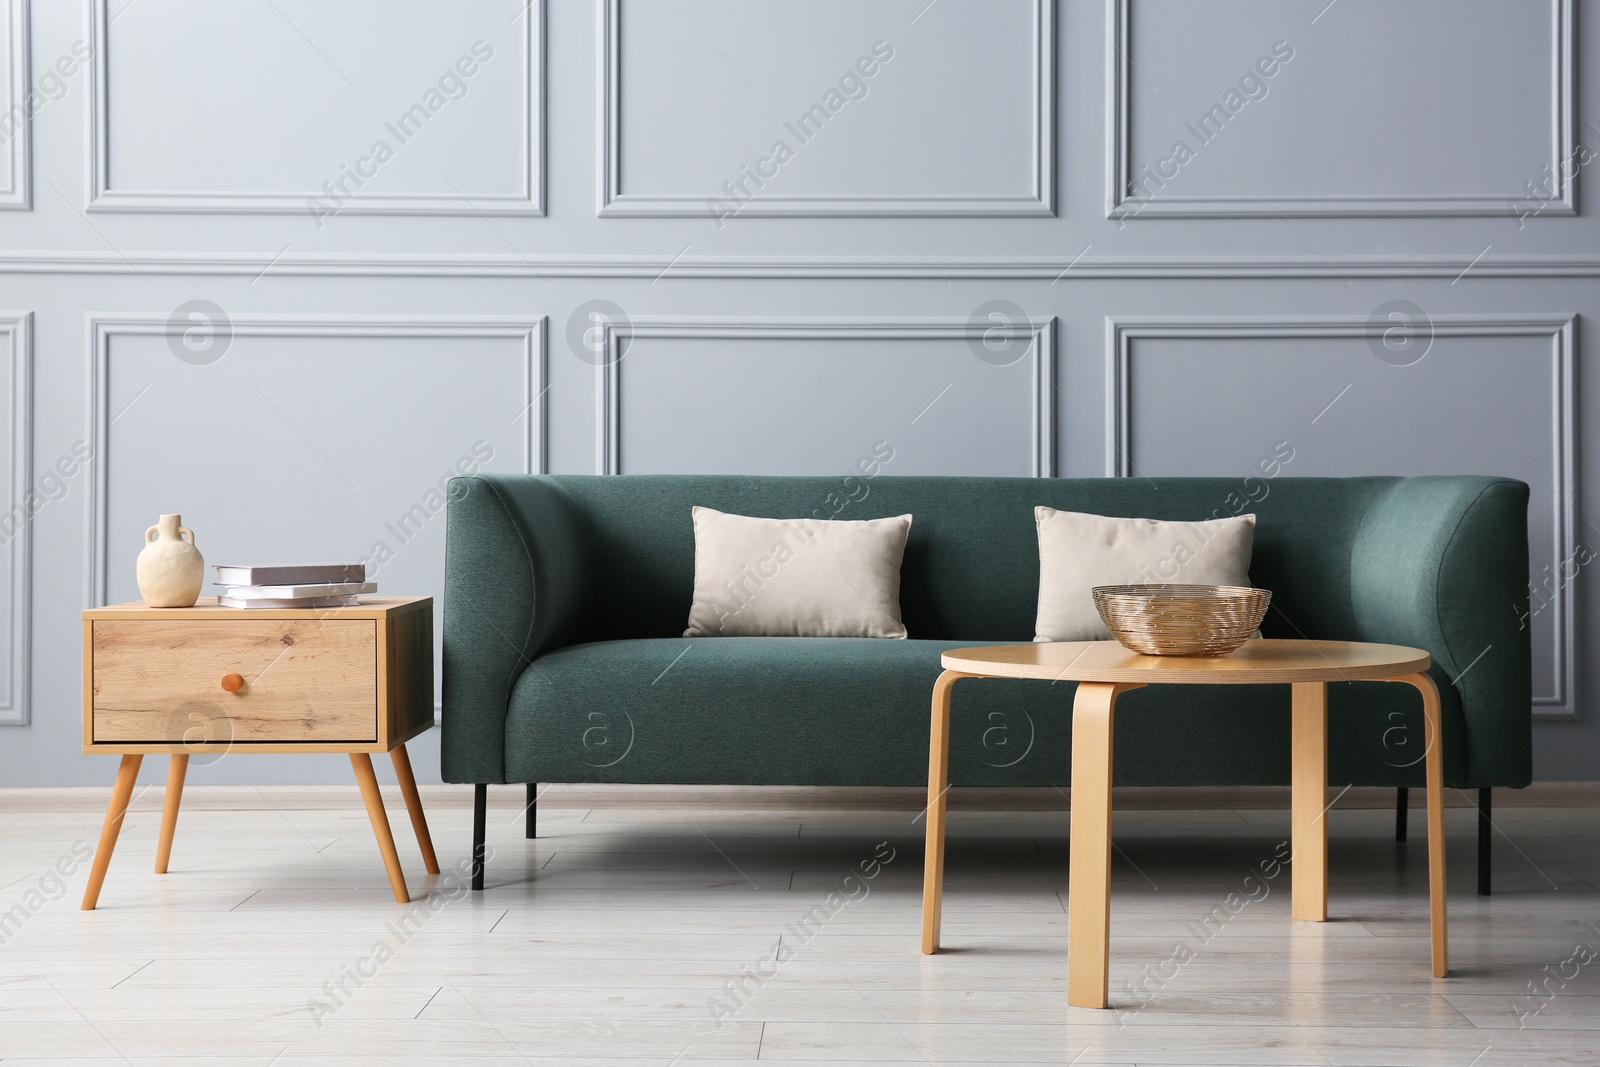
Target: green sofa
565 598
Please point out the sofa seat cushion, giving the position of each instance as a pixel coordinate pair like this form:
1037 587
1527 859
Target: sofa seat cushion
855 711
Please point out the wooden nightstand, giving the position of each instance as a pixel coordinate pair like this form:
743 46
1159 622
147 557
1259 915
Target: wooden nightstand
212 679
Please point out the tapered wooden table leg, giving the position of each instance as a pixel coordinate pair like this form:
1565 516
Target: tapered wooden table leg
380 823
419 821
1308 866
121 793
1434 760
176 772
938 788
1089 873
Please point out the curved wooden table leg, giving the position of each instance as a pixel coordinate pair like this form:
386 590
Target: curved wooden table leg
938 787
1089 871
1308 867
121 793
176 772
1434 759
380 823
419 822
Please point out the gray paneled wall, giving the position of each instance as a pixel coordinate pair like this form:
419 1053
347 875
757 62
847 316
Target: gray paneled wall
285 267
1498 389
1400 133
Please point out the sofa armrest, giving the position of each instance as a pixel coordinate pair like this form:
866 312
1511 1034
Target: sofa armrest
513 588
1442 564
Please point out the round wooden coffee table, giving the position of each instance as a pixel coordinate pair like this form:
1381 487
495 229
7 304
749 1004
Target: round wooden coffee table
1104 669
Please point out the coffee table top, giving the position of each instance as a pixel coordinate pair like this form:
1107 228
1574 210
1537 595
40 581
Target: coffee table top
1256 662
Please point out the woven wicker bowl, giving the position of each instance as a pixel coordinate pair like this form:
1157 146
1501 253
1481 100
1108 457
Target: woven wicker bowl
1181 620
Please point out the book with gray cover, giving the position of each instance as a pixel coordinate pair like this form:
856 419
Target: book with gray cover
290 574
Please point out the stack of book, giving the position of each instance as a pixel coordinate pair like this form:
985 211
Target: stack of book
298 585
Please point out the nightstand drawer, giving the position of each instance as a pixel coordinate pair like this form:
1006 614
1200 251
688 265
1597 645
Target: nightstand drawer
234 680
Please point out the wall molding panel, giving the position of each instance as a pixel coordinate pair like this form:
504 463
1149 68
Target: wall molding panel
1511 203
16 120
669 268
1559 330
608 375
528 201
15 700
532 333
614 201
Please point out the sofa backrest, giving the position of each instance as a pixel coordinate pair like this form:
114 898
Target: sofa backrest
971 568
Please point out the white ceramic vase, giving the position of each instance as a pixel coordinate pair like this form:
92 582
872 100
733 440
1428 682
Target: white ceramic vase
170 569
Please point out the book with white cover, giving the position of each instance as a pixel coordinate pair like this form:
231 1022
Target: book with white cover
293 592
290 574
292 602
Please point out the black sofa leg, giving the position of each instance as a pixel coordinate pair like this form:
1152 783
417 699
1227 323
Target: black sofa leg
480 831
1485 838
532 812
1402 797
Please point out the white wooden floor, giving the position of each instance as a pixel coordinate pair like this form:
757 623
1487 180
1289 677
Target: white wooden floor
679 934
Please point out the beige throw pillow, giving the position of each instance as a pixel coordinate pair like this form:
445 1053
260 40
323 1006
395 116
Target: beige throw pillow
796 577
1078 552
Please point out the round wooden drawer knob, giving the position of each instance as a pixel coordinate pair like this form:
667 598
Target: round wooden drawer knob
232 682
